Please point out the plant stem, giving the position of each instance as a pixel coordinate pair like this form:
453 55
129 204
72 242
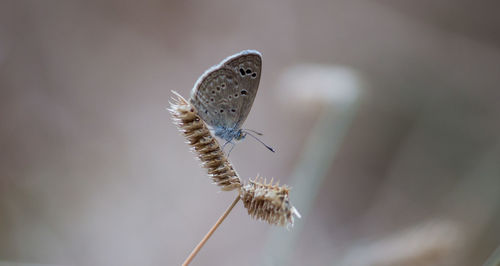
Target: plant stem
209 234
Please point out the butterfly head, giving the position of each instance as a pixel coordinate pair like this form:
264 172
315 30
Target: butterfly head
241 135
228 134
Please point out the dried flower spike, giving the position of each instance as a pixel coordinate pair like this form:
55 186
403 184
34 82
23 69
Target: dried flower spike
203 144
268 202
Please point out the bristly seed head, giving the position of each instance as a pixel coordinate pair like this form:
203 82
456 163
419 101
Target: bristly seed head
268 202
203 144
264 201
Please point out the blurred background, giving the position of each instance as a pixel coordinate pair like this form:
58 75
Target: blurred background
384 114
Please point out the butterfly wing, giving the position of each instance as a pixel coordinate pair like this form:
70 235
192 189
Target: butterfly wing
224 94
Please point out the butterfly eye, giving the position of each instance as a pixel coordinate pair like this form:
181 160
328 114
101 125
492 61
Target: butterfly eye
221 110
244 92
249 71
242 72
254 75
218 88
232 110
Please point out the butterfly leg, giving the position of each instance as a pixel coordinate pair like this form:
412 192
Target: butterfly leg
232 147
224 146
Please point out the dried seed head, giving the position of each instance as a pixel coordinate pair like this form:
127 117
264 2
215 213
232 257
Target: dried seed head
203 144
268 202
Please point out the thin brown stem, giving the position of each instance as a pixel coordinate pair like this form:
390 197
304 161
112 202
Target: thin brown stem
209 234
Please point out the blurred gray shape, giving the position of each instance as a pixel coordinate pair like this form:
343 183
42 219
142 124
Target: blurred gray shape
448 239
494 259
337 90
427 243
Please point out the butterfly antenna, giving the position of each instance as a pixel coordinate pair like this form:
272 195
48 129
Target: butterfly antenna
256 132
261 142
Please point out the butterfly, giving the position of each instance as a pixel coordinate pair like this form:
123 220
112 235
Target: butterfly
224 94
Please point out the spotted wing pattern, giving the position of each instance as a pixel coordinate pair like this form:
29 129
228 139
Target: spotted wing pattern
224 94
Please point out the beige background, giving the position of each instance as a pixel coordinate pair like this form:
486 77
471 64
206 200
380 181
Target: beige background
93 172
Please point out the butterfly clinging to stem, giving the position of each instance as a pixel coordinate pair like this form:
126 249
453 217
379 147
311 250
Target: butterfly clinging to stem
224 95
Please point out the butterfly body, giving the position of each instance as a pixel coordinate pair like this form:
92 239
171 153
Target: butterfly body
224 94
229 134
